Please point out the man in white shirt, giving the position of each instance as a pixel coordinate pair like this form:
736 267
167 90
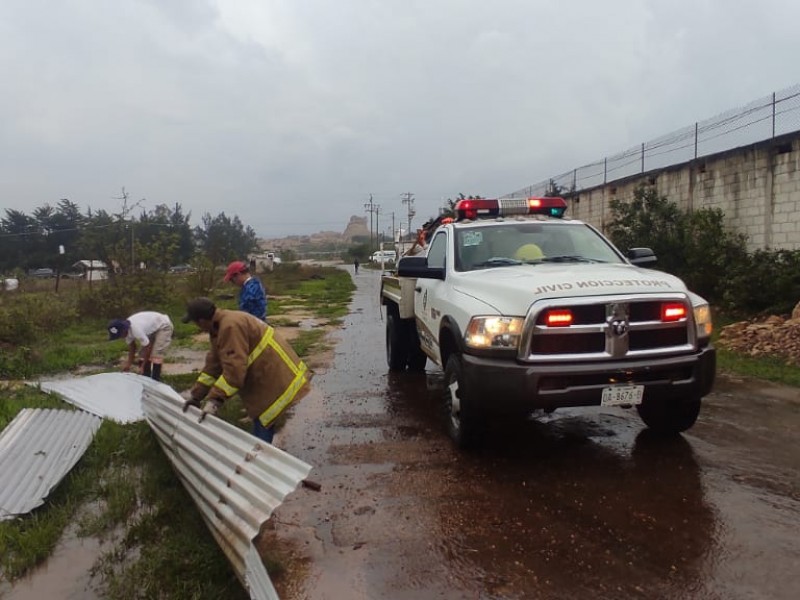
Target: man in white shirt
153 331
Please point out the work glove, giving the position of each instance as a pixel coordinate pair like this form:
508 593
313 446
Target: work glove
209 408
188 400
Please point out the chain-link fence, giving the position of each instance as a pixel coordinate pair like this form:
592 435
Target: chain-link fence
760 120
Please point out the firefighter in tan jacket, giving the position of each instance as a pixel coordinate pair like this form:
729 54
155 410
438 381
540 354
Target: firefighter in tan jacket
248 358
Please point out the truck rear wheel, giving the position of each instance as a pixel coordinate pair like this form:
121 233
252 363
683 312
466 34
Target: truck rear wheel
464 424
396 342
669 416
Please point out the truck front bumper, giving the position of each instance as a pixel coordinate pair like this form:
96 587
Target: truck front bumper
506 387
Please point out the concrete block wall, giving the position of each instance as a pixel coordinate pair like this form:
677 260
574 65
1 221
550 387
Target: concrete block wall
757 187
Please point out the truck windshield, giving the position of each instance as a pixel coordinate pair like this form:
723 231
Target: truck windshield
512 244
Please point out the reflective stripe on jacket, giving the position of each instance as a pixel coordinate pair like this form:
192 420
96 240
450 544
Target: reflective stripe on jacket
250 358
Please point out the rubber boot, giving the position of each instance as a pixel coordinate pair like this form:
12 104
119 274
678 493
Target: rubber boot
157 371
148 366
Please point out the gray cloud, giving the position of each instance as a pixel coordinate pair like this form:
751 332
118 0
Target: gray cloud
291 113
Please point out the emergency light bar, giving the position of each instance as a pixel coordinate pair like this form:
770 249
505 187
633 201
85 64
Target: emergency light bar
481 207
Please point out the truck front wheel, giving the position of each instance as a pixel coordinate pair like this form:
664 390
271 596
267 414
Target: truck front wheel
669 416
464 423
396 342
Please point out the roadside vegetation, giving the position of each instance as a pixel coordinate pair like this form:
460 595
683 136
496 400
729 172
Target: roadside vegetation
714 262
124 490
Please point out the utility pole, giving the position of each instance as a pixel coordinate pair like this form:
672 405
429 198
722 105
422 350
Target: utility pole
368 206
126 210
408 199
377 227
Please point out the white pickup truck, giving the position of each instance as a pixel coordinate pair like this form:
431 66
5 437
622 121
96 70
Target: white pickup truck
525 310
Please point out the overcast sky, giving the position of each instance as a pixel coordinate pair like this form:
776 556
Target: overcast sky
290 113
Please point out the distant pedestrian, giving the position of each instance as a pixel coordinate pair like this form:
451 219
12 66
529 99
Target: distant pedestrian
355 266
252 295
247 358
153 331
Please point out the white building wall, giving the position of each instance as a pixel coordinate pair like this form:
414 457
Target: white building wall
757 188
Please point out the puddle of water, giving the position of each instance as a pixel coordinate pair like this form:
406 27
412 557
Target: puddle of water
65 576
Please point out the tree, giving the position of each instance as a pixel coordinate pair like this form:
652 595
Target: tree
164 236
19 234
651 221
554 190
695 246
223 239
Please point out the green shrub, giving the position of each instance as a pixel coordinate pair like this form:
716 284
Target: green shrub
126 294
16 362
766 281
25 317
697 247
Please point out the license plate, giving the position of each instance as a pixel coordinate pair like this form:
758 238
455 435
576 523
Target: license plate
622 394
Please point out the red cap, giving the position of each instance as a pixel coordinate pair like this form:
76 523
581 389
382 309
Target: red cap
234 268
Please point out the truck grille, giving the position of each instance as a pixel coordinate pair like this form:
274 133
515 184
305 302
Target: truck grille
608 328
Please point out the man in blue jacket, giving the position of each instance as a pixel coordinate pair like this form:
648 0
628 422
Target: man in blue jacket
252 296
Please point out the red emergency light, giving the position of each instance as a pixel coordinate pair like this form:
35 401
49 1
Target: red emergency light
476 208
672 312
558 317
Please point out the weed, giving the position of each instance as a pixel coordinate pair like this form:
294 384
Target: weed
307 341
767 368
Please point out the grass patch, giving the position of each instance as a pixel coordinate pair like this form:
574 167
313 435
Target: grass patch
284 322
772 369
323 291
130 490
769 369
308 341
124 486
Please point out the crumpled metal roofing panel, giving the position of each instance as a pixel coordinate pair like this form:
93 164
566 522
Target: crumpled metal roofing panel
235 479
116 396
37 449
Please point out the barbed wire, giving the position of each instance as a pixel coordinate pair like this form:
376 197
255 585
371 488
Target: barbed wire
740 126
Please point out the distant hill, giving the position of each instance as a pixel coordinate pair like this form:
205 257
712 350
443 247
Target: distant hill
323 240
357 227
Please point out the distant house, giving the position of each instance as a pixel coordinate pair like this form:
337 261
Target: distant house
92 270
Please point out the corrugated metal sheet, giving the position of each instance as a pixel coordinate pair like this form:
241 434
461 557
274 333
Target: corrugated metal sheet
37 449
115 396
235 479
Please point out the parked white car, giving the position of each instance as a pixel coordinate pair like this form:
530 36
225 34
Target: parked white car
384 256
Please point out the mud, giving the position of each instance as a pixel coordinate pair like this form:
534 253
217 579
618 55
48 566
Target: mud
578 504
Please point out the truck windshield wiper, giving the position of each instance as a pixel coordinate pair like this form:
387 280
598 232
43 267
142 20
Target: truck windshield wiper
568 258
499 261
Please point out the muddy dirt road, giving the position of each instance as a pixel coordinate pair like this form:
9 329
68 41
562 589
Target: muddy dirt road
580 504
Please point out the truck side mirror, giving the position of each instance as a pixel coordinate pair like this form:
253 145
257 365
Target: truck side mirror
417 266
642 256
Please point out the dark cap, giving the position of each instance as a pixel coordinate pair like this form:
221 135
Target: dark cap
199 308
118 328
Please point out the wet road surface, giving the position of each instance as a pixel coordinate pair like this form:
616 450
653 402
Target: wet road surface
582 503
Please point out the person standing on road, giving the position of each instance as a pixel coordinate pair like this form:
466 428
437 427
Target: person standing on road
355 266
252 295
249 358
153 331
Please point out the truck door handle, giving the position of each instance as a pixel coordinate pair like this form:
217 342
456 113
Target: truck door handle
417 289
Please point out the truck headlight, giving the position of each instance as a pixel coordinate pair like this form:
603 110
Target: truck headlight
702 319
485 333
